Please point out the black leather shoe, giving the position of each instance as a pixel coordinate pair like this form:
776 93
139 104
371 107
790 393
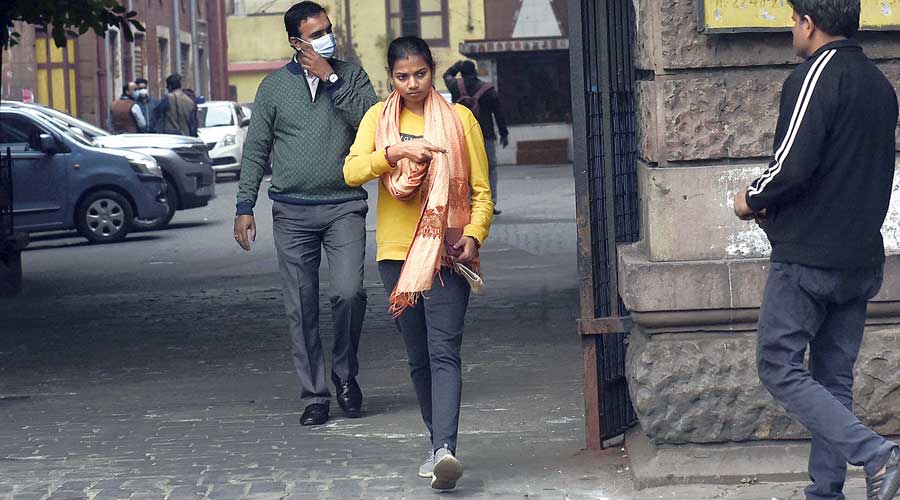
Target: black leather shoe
349 396
315 414
885 485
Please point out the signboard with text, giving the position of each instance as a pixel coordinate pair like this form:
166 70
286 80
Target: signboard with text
732 16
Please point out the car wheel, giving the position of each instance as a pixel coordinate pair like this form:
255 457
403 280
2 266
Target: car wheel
163 220
104 217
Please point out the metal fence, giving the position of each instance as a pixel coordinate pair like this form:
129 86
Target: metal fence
606 142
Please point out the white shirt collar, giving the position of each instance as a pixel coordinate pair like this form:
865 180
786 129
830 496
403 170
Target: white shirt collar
311 80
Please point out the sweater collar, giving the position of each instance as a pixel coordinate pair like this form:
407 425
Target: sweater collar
294 66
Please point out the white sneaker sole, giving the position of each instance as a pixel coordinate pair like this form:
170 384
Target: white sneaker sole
427 475
446 473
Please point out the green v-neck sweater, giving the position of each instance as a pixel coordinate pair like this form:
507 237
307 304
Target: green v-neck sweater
306 138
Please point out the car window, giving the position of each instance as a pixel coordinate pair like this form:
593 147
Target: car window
216 116
19 133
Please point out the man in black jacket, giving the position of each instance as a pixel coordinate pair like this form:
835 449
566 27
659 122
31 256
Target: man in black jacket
487 110
822 202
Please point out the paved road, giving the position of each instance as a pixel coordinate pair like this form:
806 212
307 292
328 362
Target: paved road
159 368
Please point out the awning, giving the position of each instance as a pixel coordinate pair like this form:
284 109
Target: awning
476 48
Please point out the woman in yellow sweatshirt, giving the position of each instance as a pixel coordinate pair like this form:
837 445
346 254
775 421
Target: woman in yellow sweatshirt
434 211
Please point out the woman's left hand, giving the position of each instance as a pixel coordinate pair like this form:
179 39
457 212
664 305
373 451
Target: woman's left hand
469 248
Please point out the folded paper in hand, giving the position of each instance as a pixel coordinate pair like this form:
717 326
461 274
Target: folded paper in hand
476 283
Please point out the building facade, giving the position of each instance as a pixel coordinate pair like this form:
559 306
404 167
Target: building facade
705 103
521 47
85 76
525 54
258 43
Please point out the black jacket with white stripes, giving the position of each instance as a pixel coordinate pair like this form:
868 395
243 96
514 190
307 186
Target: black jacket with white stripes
827 191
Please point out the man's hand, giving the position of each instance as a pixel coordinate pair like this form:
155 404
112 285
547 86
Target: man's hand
762 220
504 141
741 208
468 248
244 224
313 63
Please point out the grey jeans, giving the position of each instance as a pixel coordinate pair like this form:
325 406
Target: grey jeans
301 231
490 147
433 333
824 310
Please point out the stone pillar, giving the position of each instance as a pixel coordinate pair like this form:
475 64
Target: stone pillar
694 284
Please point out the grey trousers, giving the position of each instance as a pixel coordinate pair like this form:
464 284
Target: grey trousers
490 146
301 231
825 310
433 333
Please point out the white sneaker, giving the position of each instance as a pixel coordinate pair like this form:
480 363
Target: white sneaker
427 468
447 470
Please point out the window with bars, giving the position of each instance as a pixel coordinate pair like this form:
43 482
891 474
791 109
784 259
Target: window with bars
185 68
165 67
140 70
428 19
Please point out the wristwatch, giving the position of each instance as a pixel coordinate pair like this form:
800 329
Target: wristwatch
332 78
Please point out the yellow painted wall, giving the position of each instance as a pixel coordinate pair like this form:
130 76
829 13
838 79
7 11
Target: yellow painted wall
246 84
776 14
262 38
257 38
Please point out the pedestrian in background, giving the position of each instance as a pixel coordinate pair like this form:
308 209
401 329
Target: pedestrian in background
822 202
176 112
125 115
147 103
482 99
305 116
434 210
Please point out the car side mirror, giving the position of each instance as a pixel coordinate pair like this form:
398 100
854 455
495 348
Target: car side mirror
48 144
245 122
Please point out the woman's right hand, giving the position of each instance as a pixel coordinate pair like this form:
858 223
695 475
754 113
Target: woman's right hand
417 151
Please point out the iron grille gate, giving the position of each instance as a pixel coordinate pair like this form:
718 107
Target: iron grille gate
605 126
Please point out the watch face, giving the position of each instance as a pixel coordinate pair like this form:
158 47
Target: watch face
332 77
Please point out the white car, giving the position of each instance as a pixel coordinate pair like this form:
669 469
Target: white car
223 125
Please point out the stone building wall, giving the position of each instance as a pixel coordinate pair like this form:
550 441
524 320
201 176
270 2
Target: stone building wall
694 283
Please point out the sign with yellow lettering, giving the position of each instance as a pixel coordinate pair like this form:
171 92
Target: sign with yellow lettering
732 16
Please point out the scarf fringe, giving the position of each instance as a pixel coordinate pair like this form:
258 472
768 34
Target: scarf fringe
400 301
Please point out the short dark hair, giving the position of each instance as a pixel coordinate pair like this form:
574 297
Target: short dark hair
125 87
409 46
835 17
141 81
173 82
467 68
297 14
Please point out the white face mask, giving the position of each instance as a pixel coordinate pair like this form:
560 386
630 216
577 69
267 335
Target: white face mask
141 93
324 46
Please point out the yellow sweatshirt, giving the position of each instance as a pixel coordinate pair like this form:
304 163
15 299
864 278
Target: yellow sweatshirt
397 220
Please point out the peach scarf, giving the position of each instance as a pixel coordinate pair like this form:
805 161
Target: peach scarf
444 188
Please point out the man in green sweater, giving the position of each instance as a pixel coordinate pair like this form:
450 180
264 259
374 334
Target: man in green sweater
305 116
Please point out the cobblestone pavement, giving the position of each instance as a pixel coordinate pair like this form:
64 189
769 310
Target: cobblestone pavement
159 369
